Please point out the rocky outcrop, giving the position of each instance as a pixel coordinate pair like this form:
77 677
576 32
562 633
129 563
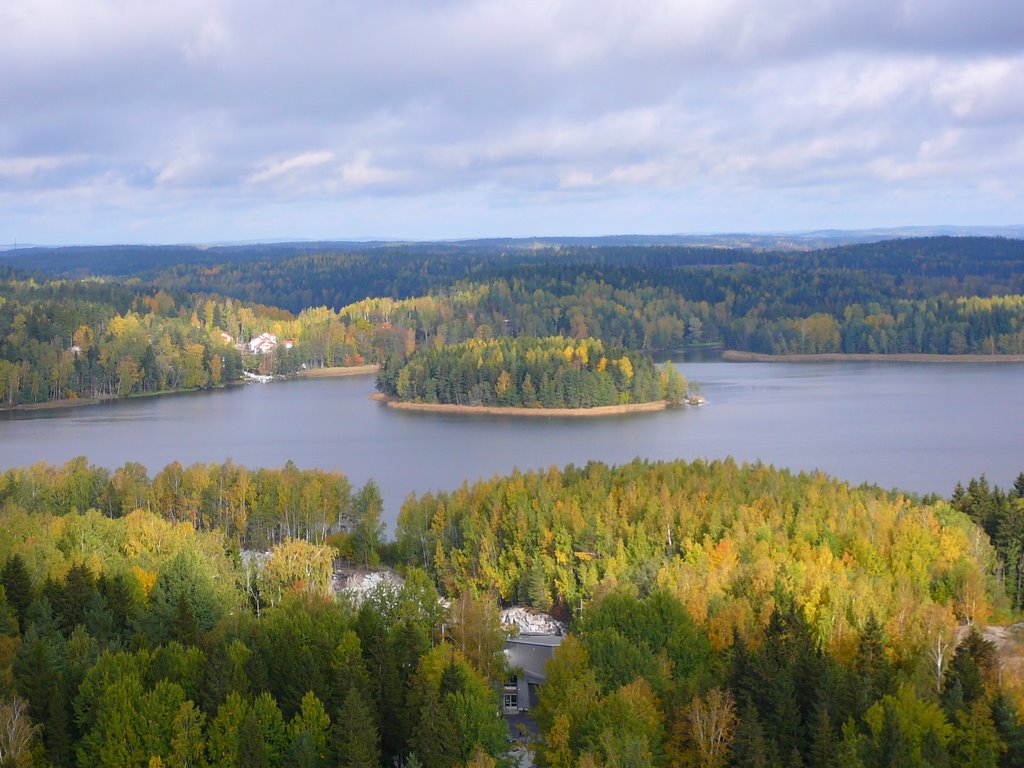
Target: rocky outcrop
359 583
528 621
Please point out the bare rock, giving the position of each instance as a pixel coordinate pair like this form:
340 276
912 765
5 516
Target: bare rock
529 621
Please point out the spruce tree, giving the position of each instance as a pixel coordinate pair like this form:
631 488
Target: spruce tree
184 627
872 673
252 750
1010 729
434 738
749 745
18 585
355 735
74 598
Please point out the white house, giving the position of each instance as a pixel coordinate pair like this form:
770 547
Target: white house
263 344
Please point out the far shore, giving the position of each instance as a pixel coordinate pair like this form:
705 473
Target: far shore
72 402
337 371
736 356
78 402
485 410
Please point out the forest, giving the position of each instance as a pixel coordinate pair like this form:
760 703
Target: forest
721 615
180 319
550 372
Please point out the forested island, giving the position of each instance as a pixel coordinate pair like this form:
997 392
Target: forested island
721 615
527 372
151 320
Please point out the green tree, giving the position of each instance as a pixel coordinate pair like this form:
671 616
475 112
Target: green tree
355 735
368 536
975 743
905 731
308 731
435 739
188 739
252 748
224 731
17 584
478 634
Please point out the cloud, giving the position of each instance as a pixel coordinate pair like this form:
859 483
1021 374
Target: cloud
573 114
26 167
291 168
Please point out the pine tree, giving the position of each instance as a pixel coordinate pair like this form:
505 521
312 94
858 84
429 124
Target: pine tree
823 744
1018 486
355 735
18 585
434 738
749 745
964 684
872 673
252 749
308 731
184 627
1010 730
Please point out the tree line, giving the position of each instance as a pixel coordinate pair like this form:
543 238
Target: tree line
65 339
300 275
1001 515
254 509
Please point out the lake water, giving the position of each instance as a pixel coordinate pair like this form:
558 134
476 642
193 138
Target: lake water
917 427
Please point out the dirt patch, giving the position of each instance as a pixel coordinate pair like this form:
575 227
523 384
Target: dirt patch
1009 643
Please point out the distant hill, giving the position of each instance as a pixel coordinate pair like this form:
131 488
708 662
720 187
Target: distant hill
81 260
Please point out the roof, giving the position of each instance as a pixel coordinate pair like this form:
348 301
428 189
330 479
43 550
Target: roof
551 641
530 654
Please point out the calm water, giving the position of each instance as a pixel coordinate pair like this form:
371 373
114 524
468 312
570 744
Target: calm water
916 427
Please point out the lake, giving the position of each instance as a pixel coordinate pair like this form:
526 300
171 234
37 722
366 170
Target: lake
918 427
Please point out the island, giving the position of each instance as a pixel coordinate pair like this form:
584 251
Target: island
530 376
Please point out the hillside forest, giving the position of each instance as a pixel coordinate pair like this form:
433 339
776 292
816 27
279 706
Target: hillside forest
720 615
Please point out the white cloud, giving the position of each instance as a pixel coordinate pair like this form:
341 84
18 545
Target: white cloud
26 167
983 90
291 167
539 107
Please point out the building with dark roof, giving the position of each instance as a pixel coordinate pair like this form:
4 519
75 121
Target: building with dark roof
527 656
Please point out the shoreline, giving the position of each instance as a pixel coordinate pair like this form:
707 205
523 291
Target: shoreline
489 410
78 402
54 405
337 371
738 356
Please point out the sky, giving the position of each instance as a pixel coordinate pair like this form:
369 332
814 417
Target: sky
124 121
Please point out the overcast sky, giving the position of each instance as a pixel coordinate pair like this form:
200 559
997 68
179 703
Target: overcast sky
213 120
